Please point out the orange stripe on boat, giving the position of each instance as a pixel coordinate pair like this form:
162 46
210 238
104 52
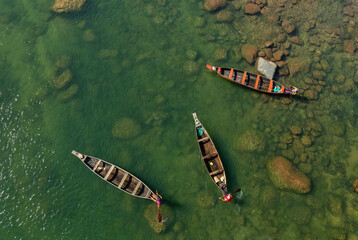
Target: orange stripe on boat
243 78
208 67
257 81
219 70
231 72
270 87
282 90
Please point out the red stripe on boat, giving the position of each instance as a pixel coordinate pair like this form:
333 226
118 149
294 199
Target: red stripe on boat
270 87
243 78
257 81
231 72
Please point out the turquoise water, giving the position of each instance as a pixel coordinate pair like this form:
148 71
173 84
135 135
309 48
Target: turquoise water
145 61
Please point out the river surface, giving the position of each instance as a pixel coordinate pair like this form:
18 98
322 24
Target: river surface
143 63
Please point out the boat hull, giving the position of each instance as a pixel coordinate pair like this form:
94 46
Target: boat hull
116 176
253 81
210 157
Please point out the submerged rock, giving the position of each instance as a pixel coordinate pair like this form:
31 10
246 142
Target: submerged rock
126 128
205 199
296 65
224 16
63 79
250 141
267 68
68 93
285 175
252 8
300 214
220 54
151 214
212 5
355 185
65 6
349 46
249 52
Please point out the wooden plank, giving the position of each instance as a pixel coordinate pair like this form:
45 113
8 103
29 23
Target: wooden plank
109 172
123 179
216 172
270 87
210 155
148 193
203 139
244 78
257 81
97 164
136 187
231 72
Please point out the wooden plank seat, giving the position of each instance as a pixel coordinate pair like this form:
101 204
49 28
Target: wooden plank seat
123 180
136 187
204 139
210 155
96 166
109 172
216 172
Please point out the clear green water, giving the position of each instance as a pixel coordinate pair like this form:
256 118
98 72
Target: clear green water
136 65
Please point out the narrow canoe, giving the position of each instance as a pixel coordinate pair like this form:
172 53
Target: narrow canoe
253 81
210 156
117 176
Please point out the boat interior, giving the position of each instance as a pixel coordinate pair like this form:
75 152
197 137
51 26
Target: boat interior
117 177
209 154
249 79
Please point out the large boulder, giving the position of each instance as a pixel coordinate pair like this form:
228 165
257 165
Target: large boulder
266 68
285 175
212 5
249 52
65 6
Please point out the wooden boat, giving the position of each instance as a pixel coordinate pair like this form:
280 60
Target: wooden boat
210 156
117 176
253 81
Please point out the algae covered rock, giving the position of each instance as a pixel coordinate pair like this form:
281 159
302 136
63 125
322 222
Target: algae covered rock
252 8
126 128
249 52
205 199
68 93
285 175
65 6
268 196
300 214
220 54
212 5
151 214
296 65
63 79
250 141
355 185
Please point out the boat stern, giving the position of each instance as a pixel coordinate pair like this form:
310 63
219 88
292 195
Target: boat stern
79 155
210 67
197 122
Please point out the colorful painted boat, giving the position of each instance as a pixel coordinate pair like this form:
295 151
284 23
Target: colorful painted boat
253 81
117 177
210 156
